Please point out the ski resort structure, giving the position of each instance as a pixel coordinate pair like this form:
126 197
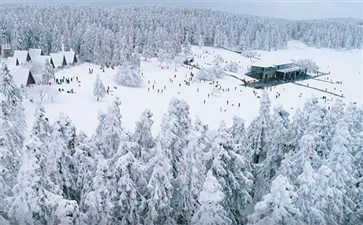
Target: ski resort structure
287 71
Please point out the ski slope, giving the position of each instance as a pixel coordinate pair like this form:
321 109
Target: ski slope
83 109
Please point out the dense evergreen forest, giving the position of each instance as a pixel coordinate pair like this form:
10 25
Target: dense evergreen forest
114 35
304 169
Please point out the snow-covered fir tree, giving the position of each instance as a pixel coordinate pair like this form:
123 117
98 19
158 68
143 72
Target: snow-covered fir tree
211 211
62 164
176 126
266 171
232 67
329 199
307 182
96 204
109 132
259 129
278 206
99 89
129 76
12 109
340 162
48 73
234 173
41 128
128 203
36 197
143 136
159 189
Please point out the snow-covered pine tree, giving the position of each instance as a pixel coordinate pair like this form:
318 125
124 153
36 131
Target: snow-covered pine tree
354 117
296 131
358 175
109 132
234 173
129 204
340 162
308 64
41 128
164 57
239 134
175 128
193 172
259 130
278 206
159 189
307 182
211 211
200 132
232 67
96 204
329 199
35 195
293 163
317 126
48 73
266 171
63 167
129 76
143 136
8 170
187 49
67 212
12 109
99 90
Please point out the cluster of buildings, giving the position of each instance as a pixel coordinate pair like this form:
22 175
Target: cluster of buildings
57 60
20 63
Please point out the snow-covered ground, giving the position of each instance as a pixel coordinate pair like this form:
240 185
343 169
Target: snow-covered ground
82 107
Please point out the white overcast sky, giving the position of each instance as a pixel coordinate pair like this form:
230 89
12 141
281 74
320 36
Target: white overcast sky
289 9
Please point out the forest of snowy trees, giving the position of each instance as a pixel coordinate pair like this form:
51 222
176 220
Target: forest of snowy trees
114 35
280 169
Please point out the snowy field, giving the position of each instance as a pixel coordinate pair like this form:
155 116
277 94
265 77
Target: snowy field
82 107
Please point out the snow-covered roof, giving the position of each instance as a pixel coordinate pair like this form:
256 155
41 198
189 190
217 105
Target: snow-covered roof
11 61
20 75
263 65
290 69
35 53
70 55
271 62
21 55
58 59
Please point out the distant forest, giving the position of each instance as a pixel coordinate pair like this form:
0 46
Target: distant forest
114 35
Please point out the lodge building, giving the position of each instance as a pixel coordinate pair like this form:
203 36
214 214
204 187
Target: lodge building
287 71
